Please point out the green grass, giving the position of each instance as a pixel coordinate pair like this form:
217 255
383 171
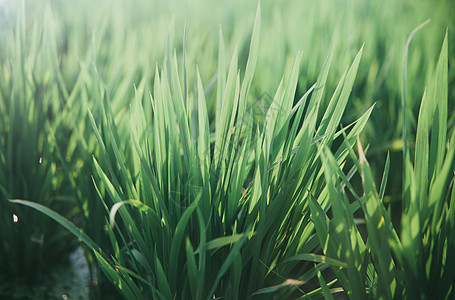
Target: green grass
195 160
414 261
29 167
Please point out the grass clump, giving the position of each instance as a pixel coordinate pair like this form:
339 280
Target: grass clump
230 170
195 213
409 259
29 169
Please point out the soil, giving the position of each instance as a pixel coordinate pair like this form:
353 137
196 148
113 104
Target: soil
68 281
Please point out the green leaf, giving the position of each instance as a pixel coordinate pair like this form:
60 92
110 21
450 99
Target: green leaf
193 274
61 220
316 258
339 100
138 204
286 284
439 98
224 241
252 60
176 243
163 284
325 289
230 259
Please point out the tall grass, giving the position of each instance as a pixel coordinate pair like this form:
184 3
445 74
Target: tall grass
29 168
195 213
45 156
410 260
230 170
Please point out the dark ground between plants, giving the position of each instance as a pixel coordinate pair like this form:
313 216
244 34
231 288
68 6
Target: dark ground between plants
65 281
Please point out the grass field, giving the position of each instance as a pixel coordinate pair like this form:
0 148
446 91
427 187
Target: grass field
229 150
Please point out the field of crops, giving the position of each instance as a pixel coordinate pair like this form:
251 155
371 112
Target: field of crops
227 149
